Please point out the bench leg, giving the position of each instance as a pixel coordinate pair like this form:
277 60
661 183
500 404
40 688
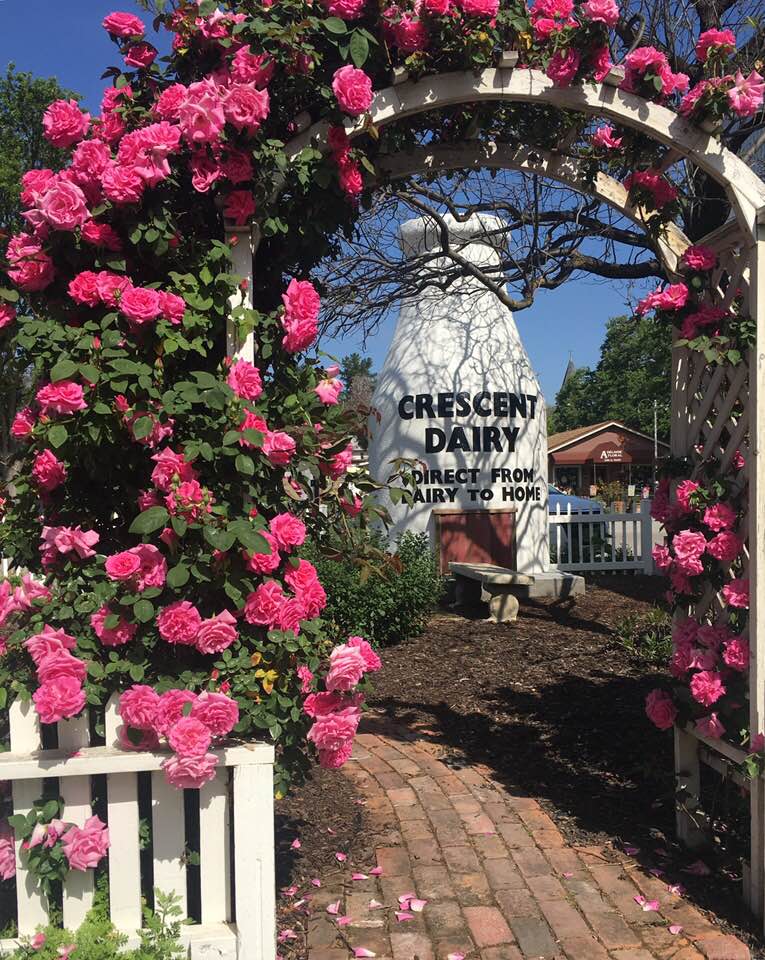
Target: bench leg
503 607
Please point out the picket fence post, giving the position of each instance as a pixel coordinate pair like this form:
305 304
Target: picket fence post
646 536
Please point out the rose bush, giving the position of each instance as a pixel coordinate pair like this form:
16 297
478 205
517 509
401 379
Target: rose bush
166 484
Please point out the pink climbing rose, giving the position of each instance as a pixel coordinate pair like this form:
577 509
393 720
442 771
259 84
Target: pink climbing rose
721 42
601 11
59 699
189 737
347 666
353 89
279 447
48 472
125 25
710 726
85 847
372 662
288 531
62 398
660 709
216 633
189 773
720 516
736 593
138 707
699 257
64 124
746 94
217 712
707 687
329 390
604 137
179 623
245 380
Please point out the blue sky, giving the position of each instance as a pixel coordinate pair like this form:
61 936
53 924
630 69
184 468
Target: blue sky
64 38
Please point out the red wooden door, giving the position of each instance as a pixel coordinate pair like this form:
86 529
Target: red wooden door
476 536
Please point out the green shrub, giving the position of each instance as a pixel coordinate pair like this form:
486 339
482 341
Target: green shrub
385 601
647 636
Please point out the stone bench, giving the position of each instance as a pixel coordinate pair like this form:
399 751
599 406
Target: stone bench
501 587
497 585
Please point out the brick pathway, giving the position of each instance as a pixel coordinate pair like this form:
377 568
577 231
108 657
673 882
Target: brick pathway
500 881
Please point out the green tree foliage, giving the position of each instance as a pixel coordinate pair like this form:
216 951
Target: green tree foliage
633 371
23 100
353 366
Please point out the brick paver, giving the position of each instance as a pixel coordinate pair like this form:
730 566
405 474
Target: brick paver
500 881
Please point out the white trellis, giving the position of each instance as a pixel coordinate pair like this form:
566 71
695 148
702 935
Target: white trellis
716 409
236 842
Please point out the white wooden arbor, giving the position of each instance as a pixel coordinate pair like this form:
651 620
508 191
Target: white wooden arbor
716 409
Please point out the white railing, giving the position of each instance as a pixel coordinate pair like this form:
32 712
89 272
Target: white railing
237 900
594 542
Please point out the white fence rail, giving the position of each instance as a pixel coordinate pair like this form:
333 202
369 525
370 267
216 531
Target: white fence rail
593 542
237 900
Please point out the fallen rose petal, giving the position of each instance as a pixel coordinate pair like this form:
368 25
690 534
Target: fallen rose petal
376 905
296 844
287 934
657 872
650 905
699 869
405 898
376 872
568 875
344 921
340 857
334 908
417 905
639 898
455 956
331 832
363 952
316 882
677 888
675 928
631 851
403 915
289 891
359 876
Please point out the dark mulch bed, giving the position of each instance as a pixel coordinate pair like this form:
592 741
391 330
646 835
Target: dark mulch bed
554 706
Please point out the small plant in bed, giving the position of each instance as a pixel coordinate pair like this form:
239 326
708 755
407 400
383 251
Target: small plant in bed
648 636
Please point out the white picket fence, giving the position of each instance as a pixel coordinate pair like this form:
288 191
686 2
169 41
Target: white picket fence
592 542
236 816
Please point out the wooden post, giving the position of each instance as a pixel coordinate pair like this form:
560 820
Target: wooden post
688 787
254 861
646 536
243 242
78 886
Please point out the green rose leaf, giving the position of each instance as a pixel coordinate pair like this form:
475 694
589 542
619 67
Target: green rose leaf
57 435
149 521
143 610
63 370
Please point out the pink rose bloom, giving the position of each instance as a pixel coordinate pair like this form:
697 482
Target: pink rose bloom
7 852
345 9
219 713
111 636
64 206
411 35
710 726
122 566
138 707
89 160
170 708
201 114
689 547
601 11
736 593
300 333
265 562
111 286
746 94
173 307
347 666
153 570
372 662
323 704
179 623
437 8
239 206
131 738
287 531
661 557
7 315
236 167
140 305
301 302
61 663
350 178
306 678
604 137
59 699
332 731
264 603
189 500
85 847
84 289
31 269
721 42
140 55
64 397
352 507
328 391
147 149
720 516
34 183
245 380
125 25
48 471
170 466
736 654
725 547
300 577
279 447
48 641
23 424
71 540
707 687
169 102
601 63
205 171
122 184
684 492
701 258
216 633
64 124
339 464
563 66
189 737
190 773
480 8
353 90
312 597
291 614
660 709
247 67
245 107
